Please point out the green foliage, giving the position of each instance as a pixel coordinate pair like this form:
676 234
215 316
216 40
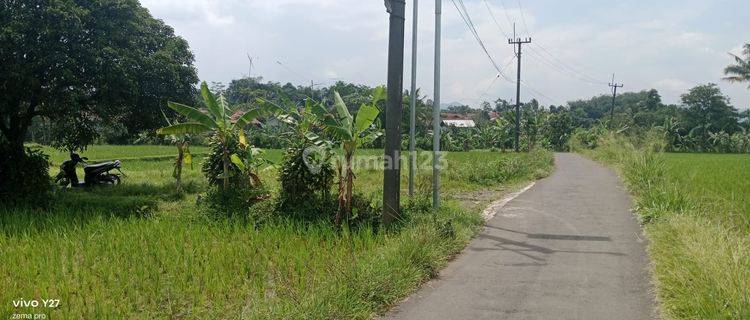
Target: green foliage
142 251
25 178
740 71
239 178
224 129
55 67
218 203
586 139
557 131
351 133
697 224
707 111
213 166
304 192
504 169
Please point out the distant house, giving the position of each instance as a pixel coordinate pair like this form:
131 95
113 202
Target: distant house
494 115
459 123
457 120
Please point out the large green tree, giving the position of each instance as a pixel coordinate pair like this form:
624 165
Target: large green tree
86 64
706 110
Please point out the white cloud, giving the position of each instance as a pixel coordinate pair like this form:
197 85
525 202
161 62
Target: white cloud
669 45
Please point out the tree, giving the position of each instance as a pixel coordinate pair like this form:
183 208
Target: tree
740 71
706 111
351 132
184 157
557 129
460 109
218 120
84 64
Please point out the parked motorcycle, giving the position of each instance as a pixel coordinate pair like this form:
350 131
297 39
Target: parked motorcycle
95 174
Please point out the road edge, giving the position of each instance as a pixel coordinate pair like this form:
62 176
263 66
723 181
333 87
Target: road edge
494 207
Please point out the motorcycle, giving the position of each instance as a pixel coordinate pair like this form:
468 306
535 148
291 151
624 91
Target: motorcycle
94 175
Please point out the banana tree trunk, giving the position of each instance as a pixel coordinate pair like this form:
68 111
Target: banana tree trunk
178 166
349 184
225 163
342 194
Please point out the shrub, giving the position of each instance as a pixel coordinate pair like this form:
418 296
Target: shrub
24 181
213 167
365 211
586 139
306 192
242 193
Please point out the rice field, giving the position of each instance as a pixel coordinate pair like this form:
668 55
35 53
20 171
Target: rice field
696 210
140 251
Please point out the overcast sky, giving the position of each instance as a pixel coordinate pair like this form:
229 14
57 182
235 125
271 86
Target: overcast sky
670 45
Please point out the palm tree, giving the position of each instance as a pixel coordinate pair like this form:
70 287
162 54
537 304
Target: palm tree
218 120
352 133
739 72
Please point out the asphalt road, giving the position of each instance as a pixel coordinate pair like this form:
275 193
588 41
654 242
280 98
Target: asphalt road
568 248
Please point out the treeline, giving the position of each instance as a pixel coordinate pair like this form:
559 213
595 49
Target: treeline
705 121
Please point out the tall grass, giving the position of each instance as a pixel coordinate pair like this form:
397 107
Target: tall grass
141 251
697 212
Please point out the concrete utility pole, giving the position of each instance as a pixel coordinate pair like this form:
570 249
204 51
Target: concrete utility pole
519 42
614 87
392 159
436 112
413 115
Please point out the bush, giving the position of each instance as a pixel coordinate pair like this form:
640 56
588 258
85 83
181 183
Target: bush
240 195
306 193
586 139
213 167
25 180
365 212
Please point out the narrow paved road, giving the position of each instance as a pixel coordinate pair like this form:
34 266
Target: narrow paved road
568 248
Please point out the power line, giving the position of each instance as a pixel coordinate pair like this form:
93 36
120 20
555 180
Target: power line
536 55
505 10
498 76
301 76
523 18
495 19
569 66
472 28
560 65
539 93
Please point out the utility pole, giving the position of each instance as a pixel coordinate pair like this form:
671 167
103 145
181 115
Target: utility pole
436 111
392 157
413 108
614 87
518 42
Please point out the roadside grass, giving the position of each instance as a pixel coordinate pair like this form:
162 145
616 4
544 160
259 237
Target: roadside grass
696 211
141 251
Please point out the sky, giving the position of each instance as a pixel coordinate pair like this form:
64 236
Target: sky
668 45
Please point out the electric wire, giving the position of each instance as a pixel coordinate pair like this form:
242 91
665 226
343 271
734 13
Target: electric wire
472 28
523 18
569 66
494 80
492 14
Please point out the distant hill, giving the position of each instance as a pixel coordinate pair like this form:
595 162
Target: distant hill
445 106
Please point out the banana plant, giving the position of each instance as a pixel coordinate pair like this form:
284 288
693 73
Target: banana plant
184 157
249 161
217 120
351 133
